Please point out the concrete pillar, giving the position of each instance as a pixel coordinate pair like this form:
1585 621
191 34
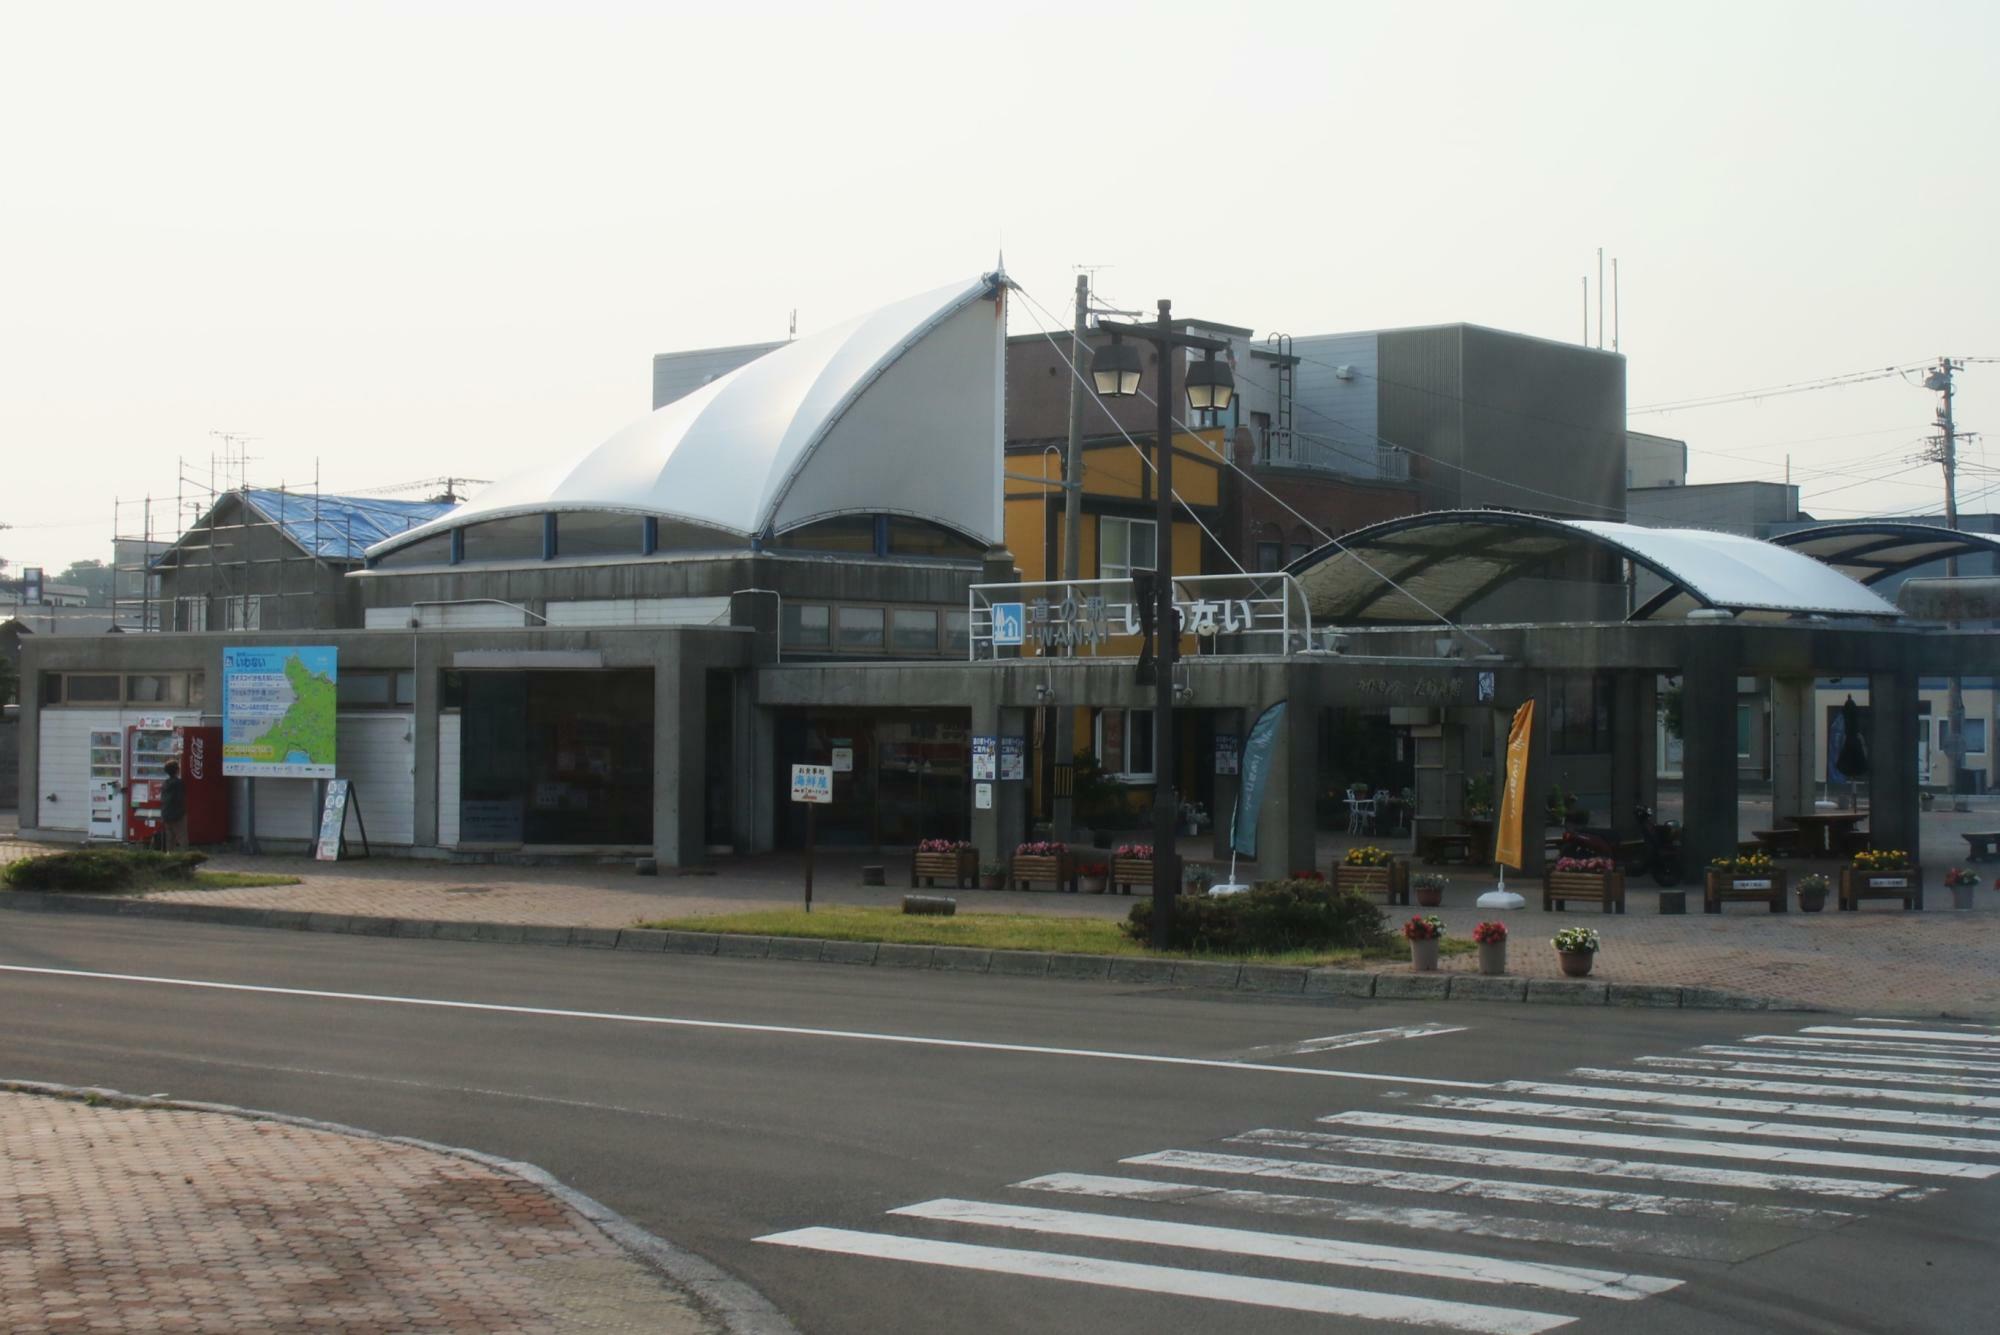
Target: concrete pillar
1287 836
680 760
1708 761
988 832
427 663
1010 796
1792 750
1634 747
1892 761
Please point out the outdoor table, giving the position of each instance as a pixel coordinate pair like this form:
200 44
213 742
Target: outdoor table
1481 833
1819 831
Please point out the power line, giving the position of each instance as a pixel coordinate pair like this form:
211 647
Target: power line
1774 391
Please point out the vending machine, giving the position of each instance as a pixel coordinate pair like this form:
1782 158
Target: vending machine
107 785
149 745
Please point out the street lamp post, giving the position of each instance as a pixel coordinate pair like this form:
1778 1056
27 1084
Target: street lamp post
1116 372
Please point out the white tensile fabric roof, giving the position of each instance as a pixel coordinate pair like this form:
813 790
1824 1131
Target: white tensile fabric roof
1443 562
893 412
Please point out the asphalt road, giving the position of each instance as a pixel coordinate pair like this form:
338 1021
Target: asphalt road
719 1102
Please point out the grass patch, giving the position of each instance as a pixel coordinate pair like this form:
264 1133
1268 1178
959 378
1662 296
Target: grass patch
995 931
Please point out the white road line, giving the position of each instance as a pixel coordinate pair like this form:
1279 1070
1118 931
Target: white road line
1157 1279
1462 1266
1492 1189
1978 1070
1833 1112
1702 1246
1718 1126
1702 1149
1825 1072
1359 1039
732 1026
1536 1161
1951 1024
1819 1047
1948 1035
1813 1089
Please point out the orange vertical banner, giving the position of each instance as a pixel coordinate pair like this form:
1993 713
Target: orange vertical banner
1513 795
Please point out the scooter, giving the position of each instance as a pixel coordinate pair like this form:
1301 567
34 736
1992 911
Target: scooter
1661 854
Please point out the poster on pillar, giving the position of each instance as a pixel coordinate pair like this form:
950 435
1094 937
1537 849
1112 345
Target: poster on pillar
1513 796
1256 772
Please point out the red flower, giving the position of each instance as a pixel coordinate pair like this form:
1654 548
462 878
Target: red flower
1488 933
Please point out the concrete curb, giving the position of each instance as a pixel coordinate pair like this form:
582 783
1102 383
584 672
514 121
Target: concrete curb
1265 979
738 1307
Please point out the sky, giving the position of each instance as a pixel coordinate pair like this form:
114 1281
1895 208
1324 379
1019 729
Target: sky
389 243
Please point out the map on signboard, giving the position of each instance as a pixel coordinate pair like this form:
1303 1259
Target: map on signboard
278 710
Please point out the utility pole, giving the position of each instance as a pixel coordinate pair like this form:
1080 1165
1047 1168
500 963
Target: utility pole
1947 454
1065 802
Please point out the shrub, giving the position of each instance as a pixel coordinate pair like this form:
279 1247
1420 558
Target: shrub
101 869
1275 917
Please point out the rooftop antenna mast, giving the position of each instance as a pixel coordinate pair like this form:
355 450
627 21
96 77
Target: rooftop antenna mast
793 331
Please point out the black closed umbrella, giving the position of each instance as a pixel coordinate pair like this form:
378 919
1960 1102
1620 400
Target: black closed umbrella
1852 762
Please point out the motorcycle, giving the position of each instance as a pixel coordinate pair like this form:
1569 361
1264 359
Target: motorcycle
1661 850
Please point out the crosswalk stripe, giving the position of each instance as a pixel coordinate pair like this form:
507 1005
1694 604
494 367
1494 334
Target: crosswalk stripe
1733 1126
1461 1266
1977 1072
1700 1246
1949 1024
1722 1103
1951 1035
1494 1189
1537 1161
1241 1289
1820 1046
1703 1149
1819 1072
1813 1089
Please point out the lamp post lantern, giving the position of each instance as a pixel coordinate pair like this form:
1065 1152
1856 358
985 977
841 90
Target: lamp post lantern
1116 372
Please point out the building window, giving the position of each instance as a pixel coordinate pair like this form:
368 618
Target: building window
245 612
1580 714
1270 557
1301 550
167 688
590 533
1124 545
1742 732
365 689
917 537
1124 744
1975 736
914 631
435 550
850 533
191 614
518 538
140 690
807 625
958 633
90 689
860 628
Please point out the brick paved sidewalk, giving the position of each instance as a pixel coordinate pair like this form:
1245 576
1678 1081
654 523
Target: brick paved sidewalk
152 1219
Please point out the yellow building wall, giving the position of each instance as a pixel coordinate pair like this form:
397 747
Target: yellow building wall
1110 470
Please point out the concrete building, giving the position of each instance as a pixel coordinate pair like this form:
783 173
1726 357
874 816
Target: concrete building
807 560
1758 509
1654 461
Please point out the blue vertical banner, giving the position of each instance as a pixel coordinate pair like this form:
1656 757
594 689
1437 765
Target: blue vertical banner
1257 750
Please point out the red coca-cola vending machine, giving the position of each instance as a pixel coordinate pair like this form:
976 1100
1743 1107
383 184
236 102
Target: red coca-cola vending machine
149 745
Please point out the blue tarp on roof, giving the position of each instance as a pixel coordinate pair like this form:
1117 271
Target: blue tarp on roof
341 528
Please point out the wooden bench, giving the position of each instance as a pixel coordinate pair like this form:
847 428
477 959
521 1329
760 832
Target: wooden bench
1980 847
1447 848
1778 843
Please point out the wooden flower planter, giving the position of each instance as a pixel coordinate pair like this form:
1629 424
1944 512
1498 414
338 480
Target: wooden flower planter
1128 872
1905 883
1724 886
1605 887
1059 870
1391 882
960 868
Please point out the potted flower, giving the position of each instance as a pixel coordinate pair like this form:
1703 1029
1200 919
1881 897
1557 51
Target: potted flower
992 876
1812 889
955 859
1423 932
1881 873
1745 876
1090 877
1131 864
1491 937
1597 879
1043 860
1428 887
1195 880
1961 883
1369 870
1576 947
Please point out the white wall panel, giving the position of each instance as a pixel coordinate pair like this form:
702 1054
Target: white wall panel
377 753
640 612
62 785
448 771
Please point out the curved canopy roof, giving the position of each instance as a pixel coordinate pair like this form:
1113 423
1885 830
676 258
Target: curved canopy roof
896 411
1446 561
1871 549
